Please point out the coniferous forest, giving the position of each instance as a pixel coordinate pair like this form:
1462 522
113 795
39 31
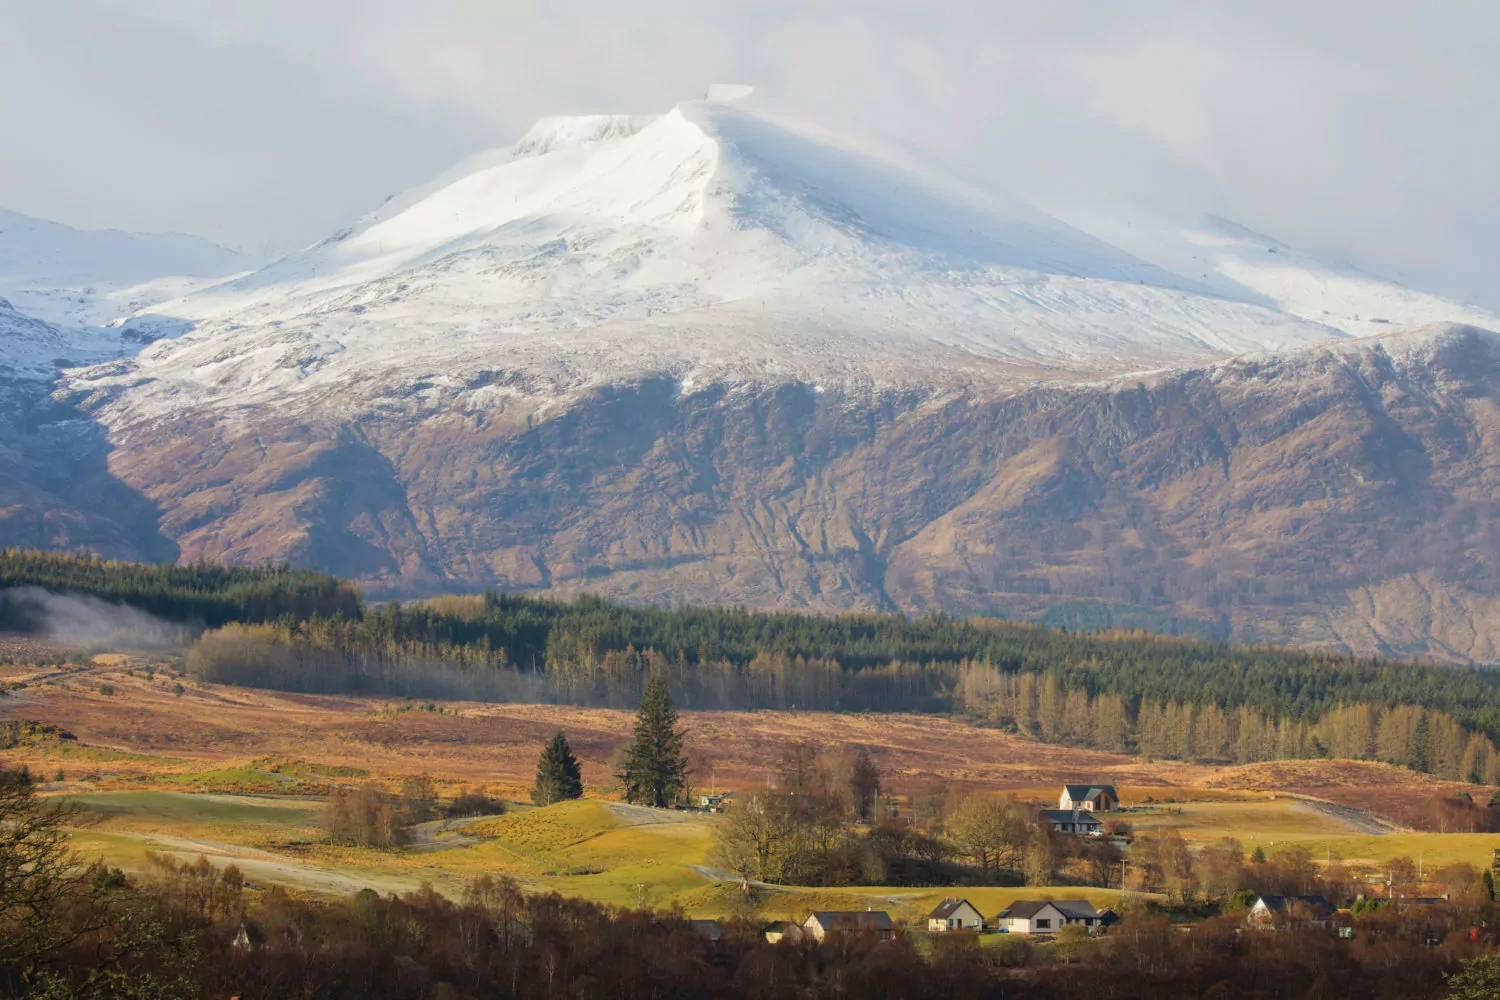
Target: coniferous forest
1168 697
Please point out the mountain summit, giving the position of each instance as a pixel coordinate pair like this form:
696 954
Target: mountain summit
708 243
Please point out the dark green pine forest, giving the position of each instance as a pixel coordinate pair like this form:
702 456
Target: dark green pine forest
303 631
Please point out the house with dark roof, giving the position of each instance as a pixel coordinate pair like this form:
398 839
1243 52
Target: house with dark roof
1305 911
1074 822
1089 798
1046 916
821 922
954 914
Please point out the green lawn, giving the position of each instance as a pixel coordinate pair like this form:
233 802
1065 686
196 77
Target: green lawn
619 856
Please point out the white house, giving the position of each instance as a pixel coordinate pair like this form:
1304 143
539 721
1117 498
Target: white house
955 915
1089 798
1046 916
1074 821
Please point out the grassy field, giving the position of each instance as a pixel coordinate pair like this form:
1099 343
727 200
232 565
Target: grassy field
1258 821
238 776
595 850
624 855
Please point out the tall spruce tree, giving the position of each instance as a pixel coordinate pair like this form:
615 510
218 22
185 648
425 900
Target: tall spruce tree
655 772
1419 753
557 773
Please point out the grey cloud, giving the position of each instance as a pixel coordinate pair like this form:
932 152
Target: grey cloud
1369 130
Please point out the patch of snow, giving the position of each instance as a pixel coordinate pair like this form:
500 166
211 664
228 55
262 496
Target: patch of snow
569 132
1224 258
34 349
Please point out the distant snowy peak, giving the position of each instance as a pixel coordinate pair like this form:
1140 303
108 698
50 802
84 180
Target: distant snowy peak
88 277
705 204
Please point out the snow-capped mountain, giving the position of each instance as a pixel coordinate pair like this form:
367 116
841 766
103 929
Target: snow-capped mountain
73 277
711 243
715 356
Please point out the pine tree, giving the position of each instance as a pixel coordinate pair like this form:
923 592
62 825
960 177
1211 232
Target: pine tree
864 784
655 772
557 774
1419 756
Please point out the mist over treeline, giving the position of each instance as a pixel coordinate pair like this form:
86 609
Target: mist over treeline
200 593
88 621
1170 697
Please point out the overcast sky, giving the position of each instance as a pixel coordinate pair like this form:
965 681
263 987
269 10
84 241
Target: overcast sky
1365 129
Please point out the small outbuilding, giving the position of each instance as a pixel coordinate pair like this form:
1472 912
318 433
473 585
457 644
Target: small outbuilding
955 915
820 923
782 930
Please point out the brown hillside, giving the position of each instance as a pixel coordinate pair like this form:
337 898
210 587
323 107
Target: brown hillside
1343 497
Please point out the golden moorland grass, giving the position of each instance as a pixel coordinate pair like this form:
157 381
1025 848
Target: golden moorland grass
163 765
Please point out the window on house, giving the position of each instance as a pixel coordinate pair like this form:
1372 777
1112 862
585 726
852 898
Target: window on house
1043 923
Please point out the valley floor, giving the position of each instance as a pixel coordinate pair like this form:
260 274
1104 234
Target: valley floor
237 776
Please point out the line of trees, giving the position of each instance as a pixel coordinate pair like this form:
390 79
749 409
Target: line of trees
329 656
369 815
301 631
1039 706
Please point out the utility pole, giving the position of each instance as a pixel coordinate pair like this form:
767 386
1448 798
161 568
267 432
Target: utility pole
640 895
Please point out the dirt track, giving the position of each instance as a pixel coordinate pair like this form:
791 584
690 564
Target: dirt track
1365 822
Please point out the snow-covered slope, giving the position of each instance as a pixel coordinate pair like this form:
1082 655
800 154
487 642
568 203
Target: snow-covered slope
1230 260
34 349
714 243
87 278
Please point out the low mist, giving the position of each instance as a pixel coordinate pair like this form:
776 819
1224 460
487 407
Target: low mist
77 619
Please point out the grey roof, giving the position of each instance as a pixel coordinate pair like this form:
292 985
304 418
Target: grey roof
946 907
1077 909
1083 793
877 919
1025 909
1072 816
708 928
1320 907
